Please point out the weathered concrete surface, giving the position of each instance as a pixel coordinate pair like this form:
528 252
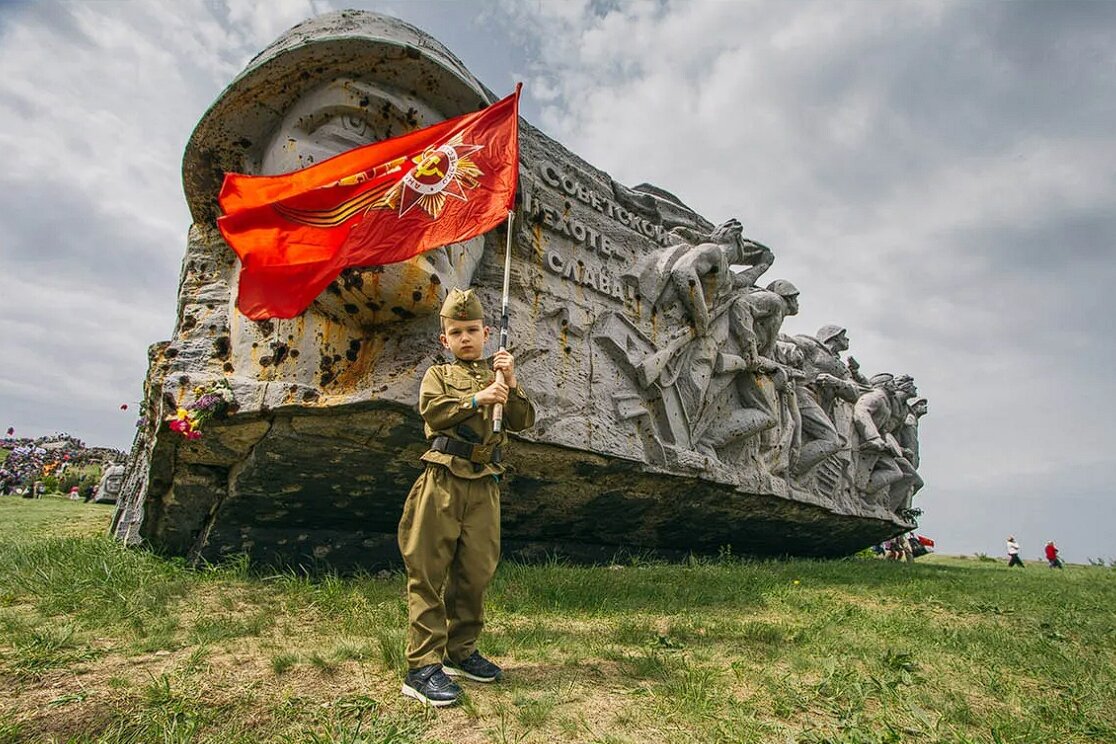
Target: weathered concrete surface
664 421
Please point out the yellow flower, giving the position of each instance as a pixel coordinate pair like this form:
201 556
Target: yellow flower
183 414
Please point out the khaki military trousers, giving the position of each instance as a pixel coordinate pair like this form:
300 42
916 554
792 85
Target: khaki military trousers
449 536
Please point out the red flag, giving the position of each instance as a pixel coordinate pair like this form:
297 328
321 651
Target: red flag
378 204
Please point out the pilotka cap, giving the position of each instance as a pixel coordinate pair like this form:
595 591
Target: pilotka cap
462 305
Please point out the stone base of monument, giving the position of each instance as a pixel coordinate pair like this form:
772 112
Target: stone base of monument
302 490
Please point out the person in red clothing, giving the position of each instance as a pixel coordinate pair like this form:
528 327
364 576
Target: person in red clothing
1052 555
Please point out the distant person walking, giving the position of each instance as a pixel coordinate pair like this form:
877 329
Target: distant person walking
1013 552
1052 555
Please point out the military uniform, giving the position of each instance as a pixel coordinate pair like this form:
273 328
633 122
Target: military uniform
449 533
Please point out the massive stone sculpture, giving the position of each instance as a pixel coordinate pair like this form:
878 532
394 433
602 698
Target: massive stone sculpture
672 416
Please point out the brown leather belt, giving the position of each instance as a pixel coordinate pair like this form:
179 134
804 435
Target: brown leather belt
481 454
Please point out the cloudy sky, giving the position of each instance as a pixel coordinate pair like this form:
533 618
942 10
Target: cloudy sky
939 177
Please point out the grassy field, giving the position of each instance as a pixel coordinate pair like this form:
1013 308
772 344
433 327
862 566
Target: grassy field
100 644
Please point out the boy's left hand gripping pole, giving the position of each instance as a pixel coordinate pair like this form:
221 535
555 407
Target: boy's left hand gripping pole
498 410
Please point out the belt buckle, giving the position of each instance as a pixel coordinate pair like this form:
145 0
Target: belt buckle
482 454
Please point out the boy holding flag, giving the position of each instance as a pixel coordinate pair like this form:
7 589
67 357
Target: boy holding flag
449 533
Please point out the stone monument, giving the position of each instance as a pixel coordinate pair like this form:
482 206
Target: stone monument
673 415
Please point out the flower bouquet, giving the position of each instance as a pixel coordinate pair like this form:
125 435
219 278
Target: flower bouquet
210 401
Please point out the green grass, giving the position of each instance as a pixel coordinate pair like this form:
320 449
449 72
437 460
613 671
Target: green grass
102 644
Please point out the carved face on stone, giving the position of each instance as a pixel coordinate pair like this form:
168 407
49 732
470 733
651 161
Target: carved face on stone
335 117
919 407
791 301
906 384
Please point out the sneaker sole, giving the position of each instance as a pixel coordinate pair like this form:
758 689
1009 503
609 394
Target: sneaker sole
413 693
452 672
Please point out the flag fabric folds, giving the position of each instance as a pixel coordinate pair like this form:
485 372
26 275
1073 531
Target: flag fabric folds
378 204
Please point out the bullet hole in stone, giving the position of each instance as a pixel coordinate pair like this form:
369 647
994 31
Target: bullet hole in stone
351 309
373 306
416 295
228 367
221 347
402 313
265 327
334 289
567 349
265 361
383 388
244 142
294 353
692 283
310 395
351 355
184 380
290 338
280 352
337 357
327 377
565 322
435 279
210 305
364 102
412 114
189 322
352 279
713 270
212 327
171 352
581 264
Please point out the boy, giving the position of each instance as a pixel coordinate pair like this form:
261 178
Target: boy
449 533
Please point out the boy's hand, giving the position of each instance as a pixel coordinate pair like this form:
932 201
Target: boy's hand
505 362
495 393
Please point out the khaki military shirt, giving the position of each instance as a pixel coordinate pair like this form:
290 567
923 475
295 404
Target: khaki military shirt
446 407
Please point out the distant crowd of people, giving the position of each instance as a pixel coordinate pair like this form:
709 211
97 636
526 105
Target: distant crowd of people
30 461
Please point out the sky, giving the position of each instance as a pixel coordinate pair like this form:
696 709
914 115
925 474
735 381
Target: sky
938 177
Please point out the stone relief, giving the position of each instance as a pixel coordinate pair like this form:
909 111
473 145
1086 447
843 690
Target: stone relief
674 413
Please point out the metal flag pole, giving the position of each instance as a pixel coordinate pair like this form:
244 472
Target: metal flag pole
498 410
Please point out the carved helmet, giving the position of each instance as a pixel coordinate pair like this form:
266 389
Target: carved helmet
883 379
827 332
348 44
783 288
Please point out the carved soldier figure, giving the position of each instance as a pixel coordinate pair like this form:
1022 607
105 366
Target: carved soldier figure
702 275
877 416
826 379
699 269
908 435
755 318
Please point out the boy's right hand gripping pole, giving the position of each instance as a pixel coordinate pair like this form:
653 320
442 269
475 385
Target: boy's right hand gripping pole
498 410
